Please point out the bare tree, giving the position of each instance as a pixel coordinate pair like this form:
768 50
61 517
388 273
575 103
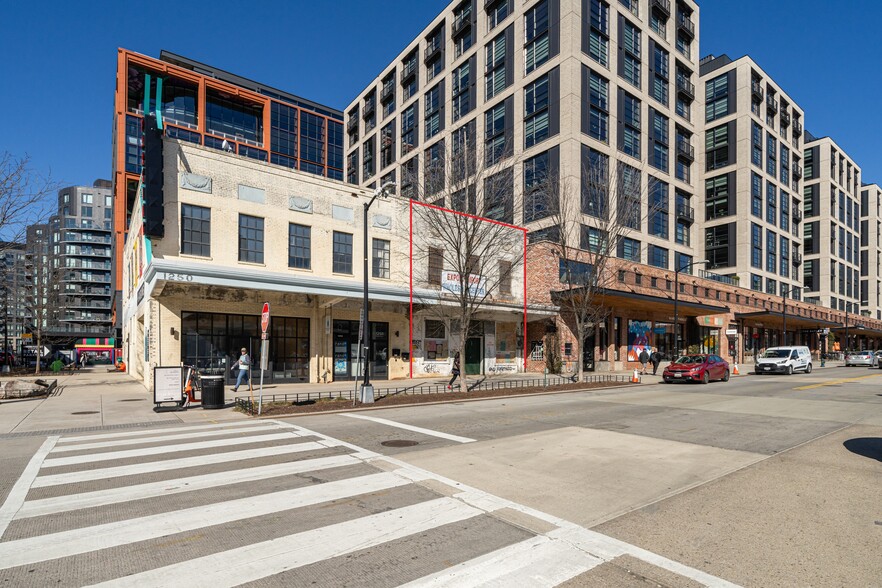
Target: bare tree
23 197
466 248
589 223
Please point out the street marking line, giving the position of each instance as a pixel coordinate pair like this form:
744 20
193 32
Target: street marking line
78 541
429 432
57 504
836 382
173 464
539 561
19 491
268 558
163 449
164 438
156 431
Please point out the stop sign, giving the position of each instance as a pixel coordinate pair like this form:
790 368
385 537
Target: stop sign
264 318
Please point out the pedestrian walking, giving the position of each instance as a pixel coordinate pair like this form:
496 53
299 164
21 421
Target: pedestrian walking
83 359
454 371
644 359
655 358
244 365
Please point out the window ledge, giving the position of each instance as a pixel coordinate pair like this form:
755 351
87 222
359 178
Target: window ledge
301 269
199 257
252 263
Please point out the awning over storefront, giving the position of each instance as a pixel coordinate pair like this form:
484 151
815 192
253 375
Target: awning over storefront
793 320
686 308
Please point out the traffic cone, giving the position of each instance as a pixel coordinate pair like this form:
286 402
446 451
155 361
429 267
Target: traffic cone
735 370
635 379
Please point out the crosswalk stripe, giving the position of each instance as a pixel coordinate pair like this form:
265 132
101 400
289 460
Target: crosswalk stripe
56 504
538 561
77 541
19 491
174 464
430 432
169 449
268 558
158 431
163 438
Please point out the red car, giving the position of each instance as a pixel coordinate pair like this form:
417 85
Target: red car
697 368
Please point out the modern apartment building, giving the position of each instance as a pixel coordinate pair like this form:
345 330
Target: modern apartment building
13 292
871 250
547 88
204 105
82 252
832 207
752 174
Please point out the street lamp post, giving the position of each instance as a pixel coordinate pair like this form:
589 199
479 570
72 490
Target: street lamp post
785 290
677 271
367 390
862 303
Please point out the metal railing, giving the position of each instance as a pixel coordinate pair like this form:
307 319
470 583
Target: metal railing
757 90
684 86
663 6
297 398
686 25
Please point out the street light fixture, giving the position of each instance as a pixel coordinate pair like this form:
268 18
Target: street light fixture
677 271
367 390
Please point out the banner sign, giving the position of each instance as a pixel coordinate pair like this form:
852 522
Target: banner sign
451 282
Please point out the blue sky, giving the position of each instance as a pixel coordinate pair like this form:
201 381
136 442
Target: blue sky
59 61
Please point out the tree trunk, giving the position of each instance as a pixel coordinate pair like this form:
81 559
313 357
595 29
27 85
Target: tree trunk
463 337
37 352
580 353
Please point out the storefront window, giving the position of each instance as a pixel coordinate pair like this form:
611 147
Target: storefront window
664 340
436 341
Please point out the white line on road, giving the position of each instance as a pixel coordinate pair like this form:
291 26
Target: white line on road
164 438
20 490
164 449
538 561
56 504
174 464
430 432
77 541
159 431
261 560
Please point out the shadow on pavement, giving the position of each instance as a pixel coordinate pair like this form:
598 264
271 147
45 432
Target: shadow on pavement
866 446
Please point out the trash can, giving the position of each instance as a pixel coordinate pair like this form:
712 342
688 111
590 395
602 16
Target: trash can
213 392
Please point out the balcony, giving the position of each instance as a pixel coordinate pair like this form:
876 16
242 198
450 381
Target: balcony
410 69
785 118
352 124
797 171
686 26
661 7
433 49
462 23
685 88
84 238
756 90
685 213
387 93
796 213
772 104
685 149
797 259
86 303
797 128
369 108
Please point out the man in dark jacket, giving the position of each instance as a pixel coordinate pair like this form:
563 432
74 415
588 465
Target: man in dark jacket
643 358
655 358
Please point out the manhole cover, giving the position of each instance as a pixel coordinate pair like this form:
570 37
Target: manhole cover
133 400
399 443
86 412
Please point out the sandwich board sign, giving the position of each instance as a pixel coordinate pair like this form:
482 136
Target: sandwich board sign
168 386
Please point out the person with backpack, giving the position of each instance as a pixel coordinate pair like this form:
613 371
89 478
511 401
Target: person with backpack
655 358
643 358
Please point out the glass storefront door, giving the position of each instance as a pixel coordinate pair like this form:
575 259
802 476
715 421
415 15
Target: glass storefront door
346 350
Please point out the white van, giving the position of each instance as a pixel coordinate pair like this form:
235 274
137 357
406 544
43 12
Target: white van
784 360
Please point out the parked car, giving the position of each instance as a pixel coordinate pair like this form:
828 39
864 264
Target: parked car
697 368
866 358
784 360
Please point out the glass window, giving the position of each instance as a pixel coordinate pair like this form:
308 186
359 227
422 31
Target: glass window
495 141
536 51
283 129
598 110
716 93
756 195
659 211
716 197
433 111
380 259
461 91
631 135
629 249
299 246
195 230
536 127
498 13
409 136
658 256
233 118
250 238
495 76
312 141
598 35
342 253
537 191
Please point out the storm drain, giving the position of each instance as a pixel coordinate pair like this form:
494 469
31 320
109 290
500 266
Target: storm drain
399 443
133 400
86 412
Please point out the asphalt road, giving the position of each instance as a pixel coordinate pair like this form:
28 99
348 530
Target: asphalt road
761 481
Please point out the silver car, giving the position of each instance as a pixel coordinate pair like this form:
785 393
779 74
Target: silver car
866 358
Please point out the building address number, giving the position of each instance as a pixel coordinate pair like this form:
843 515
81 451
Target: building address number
179 277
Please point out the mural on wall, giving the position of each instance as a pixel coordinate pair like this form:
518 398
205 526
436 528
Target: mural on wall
638 338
